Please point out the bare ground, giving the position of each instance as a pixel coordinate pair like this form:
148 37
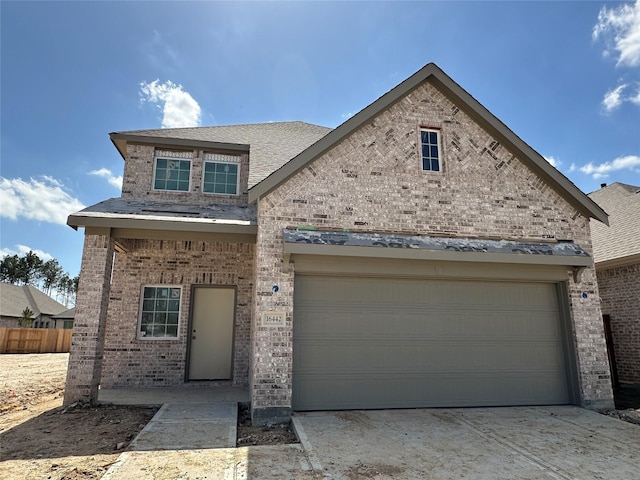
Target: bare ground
39 439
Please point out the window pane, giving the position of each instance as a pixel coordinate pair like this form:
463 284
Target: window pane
232 189
172 331
219 188
172 185
172 319
183 186
149 292
174 305
433 138
424 136
148 305
426 164
161 163
434 152
425 151
435 165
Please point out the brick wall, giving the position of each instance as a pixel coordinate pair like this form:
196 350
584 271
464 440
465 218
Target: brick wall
144 363
85 358
620 297
138 178
372 181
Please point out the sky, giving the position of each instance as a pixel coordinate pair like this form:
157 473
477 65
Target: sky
564 76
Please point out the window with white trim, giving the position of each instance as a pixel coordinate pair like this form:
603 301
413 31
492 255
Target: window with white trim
430 148
221 174
160 312
173 174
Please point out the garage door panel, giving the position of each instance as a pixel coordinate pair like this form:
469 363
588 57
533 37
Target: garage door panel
362 359
366 342
407 391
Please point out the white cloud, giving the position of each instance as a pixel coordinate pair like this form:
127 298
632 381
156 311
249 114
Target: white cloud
179 109
111 178
613 98
22 250
42 199
553 161
617 96
619 27
628 162
573 167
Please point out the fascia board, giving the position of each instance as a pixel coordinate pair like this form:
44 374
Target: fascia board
163 223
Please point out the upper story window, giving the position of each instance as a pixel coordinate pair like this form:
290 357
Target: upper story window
220 174
430 147
172 171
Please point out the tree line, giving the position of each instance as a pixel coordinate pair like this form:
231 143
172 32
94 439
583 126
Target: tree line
47 276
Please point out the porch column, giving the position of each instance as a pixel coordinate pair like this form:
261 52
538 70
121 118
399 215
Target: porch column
87 341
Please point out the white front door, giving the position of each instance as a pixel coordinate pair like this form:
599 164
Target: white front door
211 336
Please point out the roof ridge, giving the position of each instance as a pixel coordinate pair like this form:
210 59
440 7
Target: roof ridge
31 299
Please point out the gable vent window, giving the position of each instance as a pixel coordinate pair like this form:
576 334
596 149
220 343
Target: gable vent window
220 174
172 171
430 145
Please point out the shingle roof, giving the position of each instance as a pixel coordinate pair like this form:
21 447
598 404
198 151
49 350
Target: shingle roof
128 212
66 315
622 237
271 144
14 299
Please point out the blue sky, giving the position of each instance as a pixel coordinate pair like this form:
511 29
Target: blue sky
564 76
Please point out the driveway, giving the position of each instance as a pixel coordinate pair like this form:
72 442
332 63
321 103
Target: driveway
490 443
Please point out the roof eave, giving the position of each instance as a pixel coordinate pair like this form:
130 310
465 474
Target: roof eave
471 106
121 139
165 223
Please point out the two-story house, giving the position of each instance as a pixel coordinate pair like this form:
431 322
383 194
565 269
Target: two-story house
418 255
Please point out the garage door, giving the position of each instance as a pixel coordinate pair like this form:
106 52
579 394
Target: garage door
367 342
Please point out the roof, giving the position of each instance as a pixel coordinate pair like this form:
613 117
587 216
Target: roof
125 212
66 315
271 145
618 243
432 73
15 298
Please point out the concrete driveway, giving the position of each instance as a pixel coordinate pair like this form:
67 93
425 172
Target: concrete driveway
491 443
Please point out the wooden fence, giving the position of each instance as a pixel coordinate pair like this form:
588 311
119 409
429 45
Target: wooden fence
35 340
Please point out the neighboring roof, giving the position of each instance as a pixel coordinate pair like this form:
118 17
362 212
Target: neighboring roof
14 299
127 212
270 144
66 315
620 241
463 100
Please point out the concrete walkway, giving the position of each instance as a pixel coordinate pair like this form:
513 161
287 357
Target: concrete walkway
536 443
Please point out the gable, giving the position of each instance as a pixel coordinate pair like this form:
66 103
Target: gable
461 101
372 180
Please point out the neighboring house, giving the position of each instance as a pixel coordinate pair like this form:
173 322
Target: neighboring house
15 298
65 319
418 255
616 252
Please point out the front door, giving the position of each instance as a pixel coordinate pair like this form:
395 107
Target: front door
211 336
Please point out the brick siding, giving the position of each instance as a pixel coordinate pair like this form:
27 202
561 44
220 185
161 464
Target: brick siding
372 181
130 362
138 178
620 297
87 339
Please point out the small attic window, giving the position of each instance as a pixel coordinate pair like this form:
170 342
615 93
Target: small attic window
430 149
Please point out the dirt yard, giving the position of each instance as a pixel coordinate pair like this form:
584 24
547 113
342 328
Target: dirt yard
41 440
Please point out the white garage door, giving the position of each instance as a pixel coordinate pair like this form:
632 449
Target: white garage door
367 342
